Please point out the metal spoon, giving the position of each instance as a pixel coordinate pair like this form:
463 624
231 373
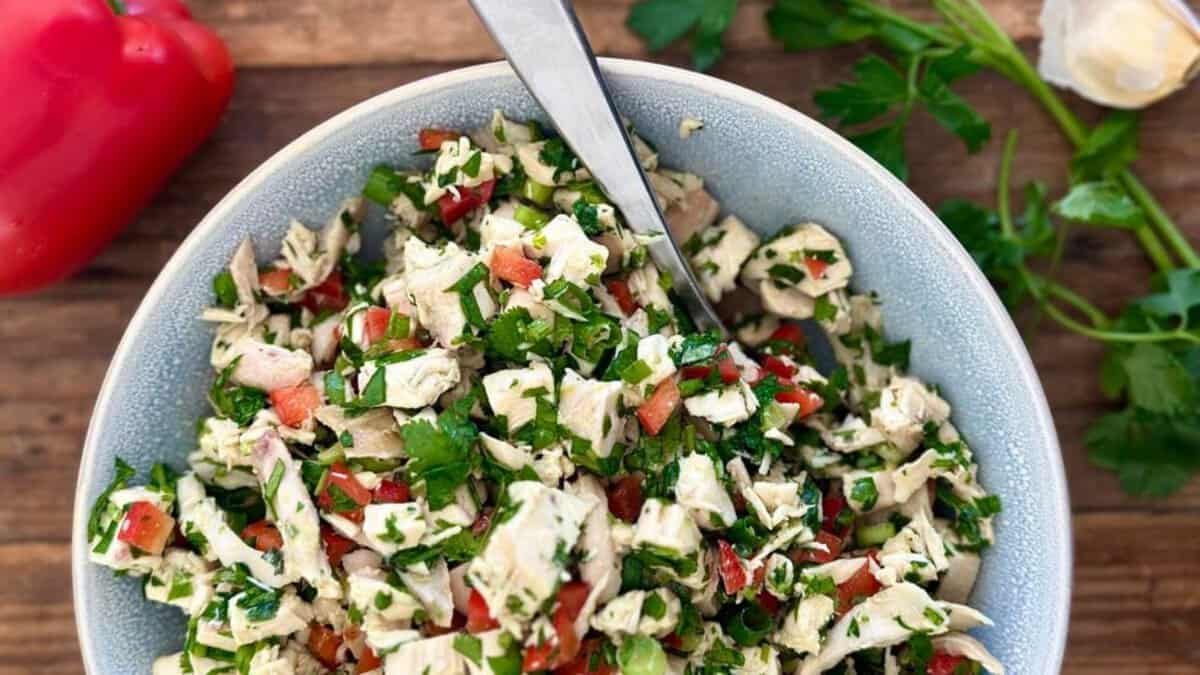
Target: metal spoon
546 46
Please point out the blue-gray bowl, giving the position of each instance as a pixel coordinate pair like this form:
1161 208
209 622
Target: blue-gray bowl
765 162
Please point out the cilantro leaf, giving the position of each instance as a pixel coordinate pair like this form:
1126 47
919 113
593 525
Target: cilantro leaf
815 24
661 22
123 474
1109 149
440 456
1100 203
1179 298
878 87
225 289
1153 455
1157 380
886 146
240 404
954 113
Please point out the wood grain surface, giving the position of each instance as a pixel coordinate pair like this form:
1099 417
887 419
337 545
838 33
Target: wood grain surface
1136 608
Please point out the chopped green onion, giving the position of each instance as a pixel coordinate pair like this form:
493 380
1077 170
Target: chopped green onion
690 387
636 372
383 185
867 536
537 193
749 626
530 217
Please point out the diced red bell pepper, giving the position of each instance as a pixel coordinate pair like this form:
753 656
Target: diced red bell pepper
375 323
856 589
263 536
767 601
452 208
146 528
550 655
944 664
510 264
392 492
295 404
816 267
781 369
432 139
789 332
810 402
336 546
367 662
726 368
276 281
694 372
625 498
341 478
328 296
813 555
582 664
107 99
323 642
733 572
479 615
619 288
831 507
654 413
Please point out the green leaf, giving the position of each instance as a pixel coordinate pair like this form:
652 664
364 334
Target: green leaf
465 287
954 113
225 290
816 24
1158 382
1153 455
706 41
122 475
1100 203
661 22
886 146
1109 149
470 647
1179 298
953 66
878 86
240 404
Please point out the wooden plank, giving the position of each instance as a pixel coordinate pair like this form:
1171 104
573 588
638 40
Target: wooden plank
312 32
1136 606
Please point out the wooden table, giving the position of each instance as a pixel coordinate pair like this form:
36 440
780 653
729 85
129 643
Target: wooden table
1137 576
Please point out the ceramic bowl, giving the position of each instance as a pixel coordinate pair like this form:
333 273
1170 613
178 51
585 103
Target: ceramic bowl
764 161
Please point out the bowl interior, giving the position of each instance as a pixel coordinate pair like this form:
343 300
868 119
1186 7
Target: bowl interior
765 162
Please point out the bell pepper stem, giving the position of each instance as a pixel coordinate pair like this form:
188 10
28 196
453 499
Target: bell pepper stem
117 6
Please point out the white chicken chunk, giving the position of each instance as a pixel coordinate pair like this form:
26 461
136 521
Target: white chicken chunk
720 253
268 367
183 579
887 618
805 257
666 526
521 566
293 614
601 567
905 405
200 513
430 583
513 393
416 382
393 527
375 433
700 491
293 512
960 644
430 272
588 408
726 406
644 285
431 656
311 257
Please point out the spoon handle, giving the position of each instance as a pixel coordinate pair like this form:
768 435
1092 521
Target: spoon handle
546 47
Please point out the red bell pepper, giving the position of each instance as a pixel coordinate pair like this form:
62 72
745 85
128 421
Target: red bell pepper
108 98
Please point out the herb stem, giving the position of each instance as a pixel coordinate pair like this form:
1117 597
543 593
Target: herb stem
1080 303
1159 218
1002 190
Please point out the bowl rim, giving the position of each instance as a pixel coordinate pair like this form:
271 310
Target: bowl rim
942 237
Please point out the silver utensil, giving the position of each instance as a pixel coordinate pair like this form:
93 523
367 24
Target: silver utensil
546 47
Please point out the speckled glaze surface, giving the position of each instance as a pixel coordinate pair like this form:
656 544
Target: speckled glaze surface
765 162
